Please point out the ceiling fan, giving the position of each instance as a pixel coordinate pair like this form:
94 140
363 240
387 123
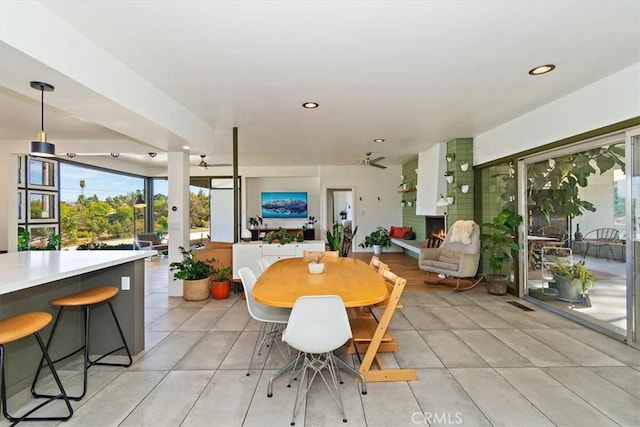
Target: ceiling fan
205 165
368 161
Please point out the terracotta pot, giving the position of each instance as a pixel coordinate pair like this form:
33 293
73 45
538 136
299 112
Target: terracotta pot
496 284
220 290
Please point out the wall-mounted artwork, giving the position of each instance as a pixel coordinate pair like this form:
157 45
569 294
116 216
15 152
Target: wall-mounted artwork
292 204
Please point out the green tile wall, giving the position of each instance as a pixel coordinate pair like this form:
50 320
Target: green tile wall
462 208
492 188
409 217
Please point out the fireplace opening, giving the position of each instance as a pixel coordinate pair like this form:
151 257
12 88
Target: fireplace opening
434 227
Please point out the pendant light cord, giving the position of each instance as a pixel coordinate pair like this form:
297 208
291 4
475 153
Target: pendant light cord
42 107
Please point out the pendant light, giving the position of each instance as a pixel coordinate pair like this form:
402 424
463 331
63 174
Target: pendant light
41 147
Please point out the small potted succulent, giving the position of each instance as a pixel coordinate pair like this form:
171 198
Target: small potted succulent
449 177
316 266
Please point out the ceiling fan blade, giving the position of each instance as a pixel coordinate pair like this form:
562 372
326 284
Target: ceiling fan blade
377 159
375 165
216 165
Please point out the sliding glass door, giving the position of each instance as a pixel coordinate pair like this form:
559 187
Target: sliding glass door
633 235
575 214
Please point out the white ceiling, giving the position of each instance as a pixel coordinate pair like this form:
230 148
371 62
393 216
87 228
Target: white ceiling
414 73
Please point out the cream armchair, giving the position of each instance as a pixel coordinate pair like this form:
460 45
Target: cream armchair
458 256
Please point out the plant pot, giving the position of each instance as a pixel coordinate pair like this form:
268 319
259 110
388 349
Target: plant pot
220 290
464 166
377 249
569 292
449 179
316 267
450 200
496 284
464 188
195 290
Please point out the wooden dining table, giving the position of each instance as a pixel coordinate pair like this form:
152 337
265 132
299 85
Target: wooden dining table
351 279
356 283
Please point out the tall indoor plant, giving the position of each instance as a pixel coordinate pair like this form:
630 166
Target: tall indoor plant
498 243
195 274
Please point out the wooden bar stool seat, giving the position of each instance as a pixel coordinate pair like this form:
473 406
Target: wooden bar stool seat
18 327
86 300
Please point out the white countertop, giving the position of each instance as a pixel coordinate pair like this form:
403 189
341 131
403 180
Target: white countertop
21 270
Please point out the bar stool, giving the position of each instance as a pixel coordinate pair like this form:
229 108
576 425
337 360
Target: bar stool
18 327
87 300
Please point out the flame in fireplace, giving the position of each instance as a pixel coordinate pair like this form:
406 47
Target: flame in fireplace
440 234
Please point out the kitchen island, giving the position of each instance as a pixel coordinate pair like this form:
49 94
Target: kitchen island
30 279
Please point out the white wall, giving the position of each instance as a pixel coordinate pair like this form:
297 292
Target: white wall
376 199
610 100
255 186
600 193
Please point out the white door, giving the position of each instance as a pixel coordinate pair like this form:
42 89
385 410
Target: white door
222 210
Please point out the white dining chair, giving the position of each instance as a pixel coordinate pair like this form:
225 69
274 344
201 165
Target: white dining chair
273 319
318 325
264 264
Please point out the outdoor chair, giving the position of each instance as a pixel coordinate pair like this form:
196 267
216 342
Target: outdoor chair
601 238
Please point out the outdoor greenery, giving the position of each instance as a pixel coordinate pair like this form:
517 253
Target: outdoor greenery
90 220
553 185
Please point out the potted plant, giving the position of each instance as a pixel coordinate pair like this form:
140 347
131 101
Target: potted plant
316 266
340 240
449 177
255 221
281 235
498 242
378 239
220 281
194 273
573 282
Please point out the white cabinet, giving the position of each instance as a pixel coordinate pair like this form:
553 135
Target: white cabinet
247 254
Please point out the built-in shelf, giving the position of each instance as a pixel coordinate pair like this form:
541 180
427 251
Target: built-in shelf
408 190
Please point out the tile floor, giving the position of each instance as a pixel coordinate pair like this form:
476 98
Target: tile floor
479 360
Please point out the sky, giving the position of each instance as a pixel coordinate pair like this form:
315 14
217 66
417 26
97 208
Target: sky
102 184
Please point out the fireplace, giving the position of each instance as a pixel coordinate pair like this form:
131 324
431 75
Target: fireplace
435 227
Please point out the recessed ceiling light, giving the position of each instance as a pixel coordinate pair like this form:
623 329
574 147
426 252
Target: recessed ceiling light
542 69
310 105
185 147
378 140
